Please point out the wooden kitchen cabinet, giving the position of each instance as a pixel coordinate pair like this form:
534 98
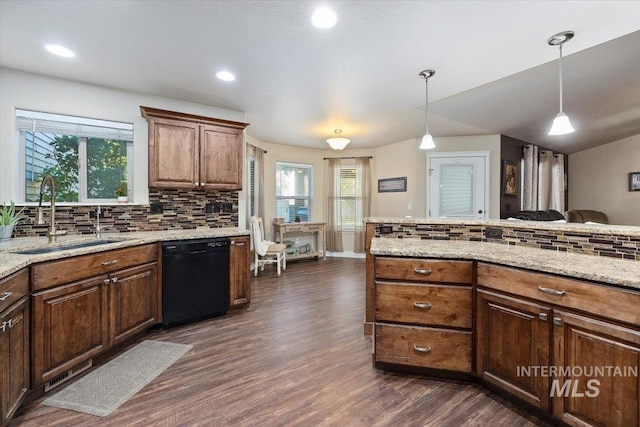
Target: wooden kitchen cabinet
194 152
614 400
133 301
423 313
14 343
239 272
80 317
513 334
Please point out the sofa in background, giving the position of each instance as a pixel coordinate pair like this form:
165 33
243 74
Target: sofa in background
585 215
548 215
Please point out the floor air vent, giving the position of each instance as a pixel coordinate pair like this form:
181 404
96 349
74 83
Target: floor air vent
67 375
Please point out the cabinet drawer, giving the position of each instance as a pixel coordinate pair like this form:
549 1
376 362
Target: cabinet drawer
613 303
423 347
424 304
13 288
424 270
54 273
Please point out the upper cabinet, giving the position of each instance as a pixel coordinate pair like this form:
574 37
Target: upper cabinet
189 151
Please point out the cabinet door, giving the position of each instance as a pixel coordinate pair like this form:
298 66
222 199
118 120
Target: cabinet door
513 335
595 398
69 327
239 273
173 154
133 301
220 158
14 355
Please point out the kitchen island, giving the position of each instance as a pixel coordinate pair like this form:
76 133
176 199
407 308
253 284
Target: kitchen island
491 300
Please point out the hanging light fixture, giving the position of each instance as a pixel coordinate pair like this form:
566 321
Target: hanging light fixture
338 142
561 124
427 140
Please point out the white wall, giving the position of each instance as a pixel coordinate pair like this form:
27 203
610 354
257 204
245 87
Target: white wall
38 93
599 180
405 159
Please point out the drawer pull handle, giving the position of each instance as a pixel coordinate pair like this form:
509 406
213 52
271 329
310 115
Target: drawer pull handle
426 272
238 243
107 281
552 291
114 280
110 262
422 305
5 296
422 349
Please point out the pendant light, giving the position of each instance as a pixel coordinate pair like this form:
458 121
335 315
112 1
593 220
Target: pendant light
561 124
338 142
427 140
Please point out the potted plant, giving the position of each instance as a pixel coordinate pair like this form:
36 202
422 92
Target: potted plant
121 192
8 218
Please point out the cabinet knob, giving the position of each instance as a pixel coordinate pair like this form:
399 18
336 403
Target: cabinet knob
5 295
422 349
557 321
107 281
197 184
543 317
114 280
422 305
3 326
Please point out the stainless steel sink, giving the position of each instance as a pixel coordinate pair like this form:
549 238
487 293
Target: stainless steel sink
65 247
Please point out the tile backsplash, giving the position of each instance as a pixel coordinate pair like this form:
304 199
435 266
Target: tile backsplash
592 243
186 209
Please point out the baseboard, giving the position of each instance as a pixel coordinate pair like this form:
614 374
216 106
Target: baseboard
349 254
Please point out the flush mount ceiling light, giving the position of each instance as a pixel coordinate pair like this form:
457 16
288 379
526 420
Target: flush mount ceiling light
338 142
225 76
62 51
324 18
427 140
561 124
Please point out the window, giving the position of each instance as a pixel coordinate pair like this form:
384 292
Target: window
348 196
252 202
293 191
89 159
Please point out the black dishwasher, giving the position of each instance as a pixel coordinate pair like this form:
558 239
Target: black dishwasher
195 280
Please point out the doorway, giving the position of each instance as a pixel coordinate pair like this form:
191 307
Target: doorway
458 185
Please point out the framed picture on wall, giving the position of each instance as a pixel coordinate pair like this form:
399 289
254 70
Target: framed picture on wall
634 181
510 182
392 185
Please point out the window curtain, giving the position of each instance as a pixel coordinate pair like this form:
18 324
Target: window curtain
363 202
543 180
530 178
258 176
545 169
557 183
334 210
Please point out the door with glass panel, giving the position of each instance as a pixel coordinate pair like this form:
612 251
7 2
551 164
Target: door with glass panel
457 187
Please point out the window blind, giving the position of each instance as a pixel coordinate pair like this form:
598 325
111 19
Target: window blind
58 124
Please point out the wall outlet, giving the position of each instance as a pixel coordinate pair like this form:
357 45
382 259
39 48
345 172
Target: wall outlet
493 233
208 208
156 208
410 207
385 229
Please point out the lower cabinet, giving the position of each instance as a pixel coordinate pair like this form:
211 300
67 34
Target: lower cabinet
76 321
513 338
583 396
239 272
14 357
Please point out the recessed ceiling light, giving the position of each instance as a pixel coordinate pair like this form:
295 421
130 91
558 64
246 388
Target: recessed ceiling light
324 18
225 76
56 49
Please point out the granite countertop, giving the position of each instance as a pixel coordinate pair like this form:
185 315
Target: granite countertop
602 269
11 262
627 230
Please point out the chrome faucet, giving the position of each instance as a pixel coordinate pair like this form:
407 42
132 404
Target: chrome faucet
52 233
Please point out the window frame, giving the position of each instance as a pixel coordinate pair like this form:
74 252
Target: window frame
307 166
83 198
351 227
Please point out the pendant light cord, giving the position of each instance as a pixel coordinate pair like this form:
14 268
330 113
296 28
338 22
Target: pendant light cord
426 105
560 68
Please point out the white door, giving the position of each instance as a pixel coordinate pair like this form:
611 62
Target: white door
457 186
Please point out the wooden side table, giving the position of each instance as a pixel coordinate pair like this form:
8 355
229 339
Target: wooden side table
317 228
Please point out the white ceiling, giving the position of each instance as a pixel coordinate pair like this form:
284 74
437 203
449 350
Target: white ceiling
495 72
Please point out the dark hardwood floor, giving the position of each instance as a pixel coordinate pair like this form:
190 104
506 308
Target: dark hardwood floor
296 357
